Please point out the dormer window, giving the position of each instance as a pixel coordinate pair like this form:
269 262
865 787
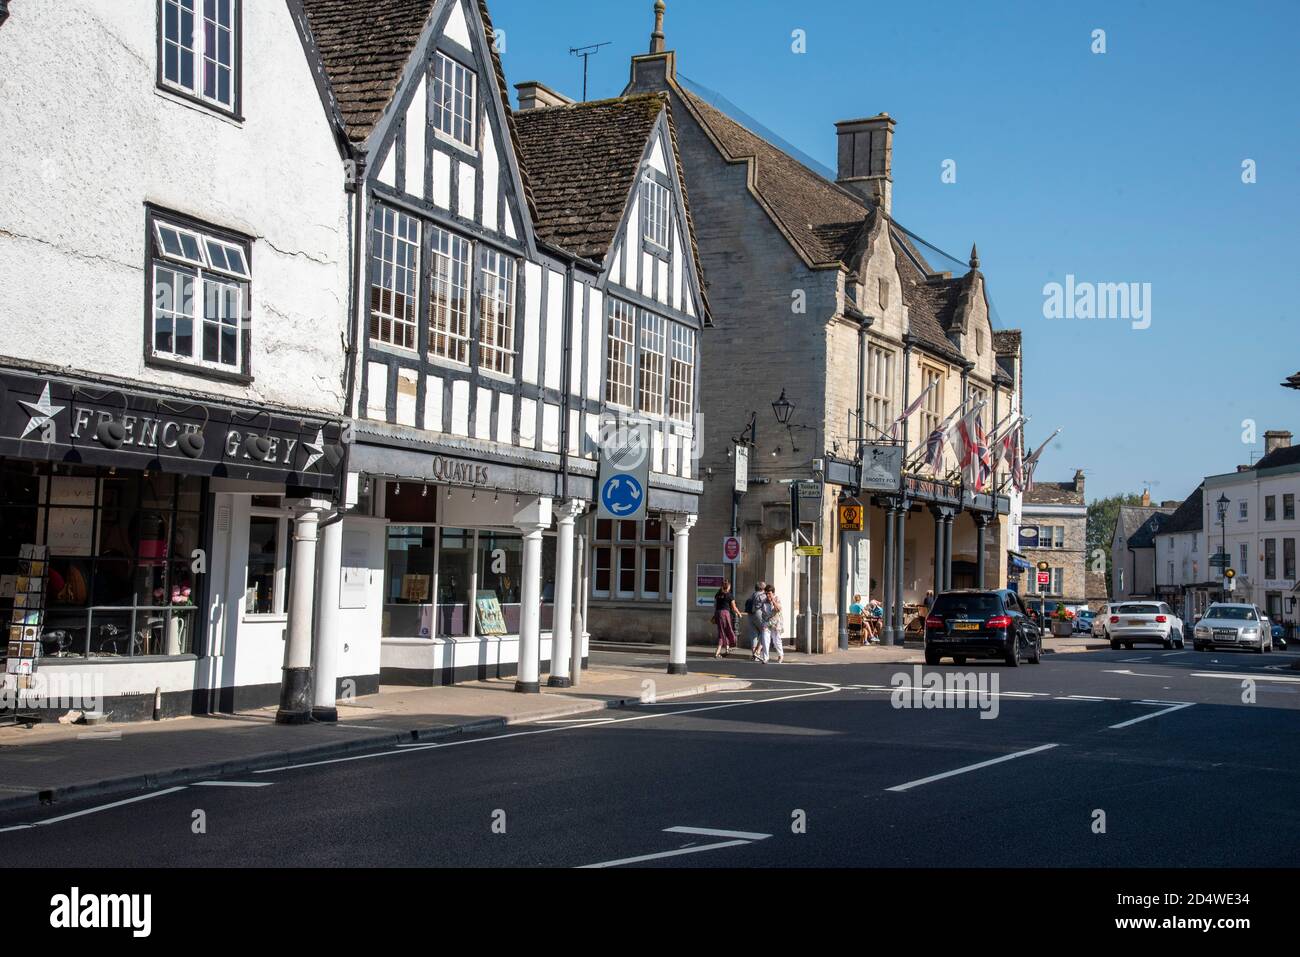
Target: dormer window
454 111
198 50
655 212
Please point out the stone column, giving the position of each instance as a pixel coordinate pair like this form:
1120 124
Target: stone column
325 653
938 549
981 521
562 619
295 685
681 525
528 680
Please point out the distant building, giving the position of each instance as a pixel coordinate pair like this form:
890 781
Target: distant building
1184 576
1054 529
1133 551
1259 527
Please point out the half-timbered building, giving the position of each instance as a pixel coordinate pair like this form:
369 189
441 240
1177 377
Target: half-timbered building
522 282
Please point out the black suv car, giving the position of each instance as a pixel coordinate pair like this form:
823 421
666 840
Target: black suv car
981 624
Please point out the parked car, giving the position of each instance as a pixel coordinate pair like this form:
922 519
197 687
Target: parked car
1136 622
1083 621
1100 620
1233 625
981 624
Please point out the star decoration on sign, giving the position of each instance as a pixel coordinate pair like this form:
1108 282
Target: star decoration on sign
40 413
317 450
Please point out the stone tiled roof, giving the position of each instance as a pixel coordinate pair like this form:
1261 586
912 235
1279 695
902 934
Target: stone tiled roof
821 219
1188 517
1137 525
1054 493
582 160
826 224
364 50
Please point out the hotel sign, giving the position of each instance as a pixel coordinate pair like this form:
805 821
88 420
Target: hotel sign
931 490
51 419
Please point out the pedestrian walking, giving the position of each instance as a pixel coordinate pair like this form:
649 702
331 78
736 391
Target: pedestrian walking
754 610
725 616
774 621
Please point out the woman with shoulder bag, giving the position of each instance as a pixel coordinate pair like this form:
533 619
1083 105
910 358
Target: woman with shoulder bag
725 616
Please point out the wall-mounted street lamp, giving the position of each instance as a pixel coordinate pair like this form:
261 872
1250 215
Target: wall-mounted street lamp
783 408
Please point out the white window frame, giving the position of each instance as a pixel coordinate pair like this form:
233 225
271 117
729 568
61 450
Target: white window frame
1243 510
212 268
394 262
462 107
496 315
449 328
620 354
932 410
881 363
197 51
651 363
681 374
656 205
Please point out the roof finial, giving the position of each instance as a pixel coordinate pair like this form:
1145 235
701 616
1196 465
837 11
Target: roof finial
657 38
974 257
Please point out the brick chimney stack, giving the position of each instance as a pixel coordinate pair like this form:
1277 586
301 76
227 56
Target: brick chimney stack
1146 498
1078 481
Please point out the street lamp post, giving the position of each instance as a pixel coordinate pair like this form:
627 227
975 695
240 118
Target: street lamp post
1222 503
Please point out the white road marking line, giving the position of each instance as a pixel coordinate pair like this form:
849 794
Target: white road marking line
94 810
1153 714
971 767
1212 674
661 854
714 832
1125 661
413 748
1091 697
664 704
232 784
583 721
1134 674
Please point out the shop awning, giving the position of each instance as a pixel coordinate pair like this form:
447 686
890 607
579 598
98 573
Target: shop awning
1019 562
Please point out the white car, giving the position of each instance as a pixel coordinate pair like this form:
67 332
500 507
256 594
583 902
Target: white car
1232 625
1100 620
1132 622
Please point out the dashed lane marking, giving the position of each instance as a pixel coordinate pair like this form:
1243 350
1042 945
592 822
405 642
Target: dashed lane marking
1155 714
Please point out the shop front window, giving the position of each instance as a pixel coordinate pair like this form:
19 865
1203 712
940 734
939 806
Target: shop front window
456 582
120 548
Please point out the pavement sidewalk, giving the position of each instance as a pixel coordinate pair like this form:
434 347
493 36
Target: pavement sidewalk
52 762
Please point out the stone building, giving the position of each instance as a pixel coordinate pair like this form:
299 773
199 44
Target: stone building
1133 550
1054 529
827 314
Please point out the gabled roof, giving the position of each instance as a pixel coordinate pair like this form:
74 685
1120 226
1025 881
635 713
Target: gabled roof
1054 493
1137 525
364 51
1006 342
1189 516
583 160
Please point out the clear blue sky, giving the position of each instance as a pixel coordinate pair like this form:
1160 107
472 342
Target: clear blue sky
1117 167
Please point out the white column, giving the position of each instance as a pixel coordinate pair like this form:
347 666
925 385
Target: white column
530 612
295 687
325 653
681 525
562 619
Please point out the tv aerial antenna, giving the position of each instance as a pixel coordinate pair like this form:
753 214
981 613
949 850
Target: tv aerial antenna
587 53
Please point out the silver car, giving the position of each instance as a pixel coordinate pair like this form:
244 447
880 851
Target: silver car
1231 625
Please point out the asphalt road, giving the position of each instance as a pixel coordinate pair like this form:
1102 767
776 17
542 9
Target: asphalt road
1113 759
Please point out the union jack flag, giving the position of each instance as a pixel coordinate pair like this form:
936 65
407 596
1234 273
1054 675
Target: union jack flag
934 447
976 464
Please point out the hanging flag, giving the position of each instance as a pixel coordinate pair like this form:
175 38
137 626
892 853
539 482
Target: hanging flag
972 450
1018 462
911 409
1032 461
